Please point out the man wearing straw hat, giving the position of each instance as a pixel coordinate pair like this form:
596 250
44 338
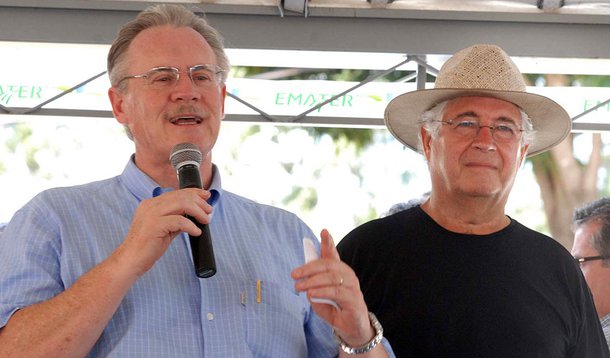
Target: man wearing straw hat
455 276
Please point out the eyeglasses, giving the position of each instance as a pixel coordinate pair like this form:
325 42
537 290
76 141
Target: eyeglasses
582 260
203 76
468 128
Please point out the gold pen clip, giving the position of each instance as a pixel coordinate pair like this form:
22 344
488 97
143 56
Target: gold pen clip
258 291
242 298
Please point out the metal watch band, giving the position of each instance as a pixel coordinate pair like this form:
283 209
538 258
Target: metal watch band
370 345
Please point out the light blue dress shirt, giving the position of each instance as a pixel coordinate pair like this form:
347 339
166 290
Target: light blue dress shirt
605 322
63 232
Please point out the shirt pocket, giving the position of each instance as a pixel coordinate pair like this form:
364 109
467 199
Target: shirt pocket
275 320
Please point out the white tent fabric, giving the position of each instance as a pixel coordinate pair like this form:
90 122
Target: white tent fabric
547 33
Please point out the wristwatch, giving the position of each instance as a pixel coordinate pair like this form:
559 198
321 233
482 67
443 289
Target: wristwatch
368 346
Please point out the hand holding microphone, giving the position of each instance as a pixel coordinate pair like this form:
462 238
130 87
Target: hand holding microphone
186 159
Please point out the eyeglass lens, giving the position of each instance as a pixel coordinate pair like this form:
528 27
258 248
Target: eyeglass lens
201 76
503 131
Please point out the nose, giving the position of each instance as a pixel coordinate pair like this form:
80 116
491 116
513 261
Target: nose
484 140
185 90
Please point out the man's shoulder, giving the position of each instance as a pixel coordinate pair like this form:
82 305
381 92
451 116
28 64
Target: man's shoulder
392 223
237 203
230 198
75 195
80 189
382 232
532 238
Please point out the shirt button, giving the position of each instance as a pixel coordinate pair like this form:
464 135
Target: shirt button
210 316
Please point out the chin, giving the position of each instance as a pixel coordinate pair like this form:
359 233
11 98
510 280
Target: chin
481 191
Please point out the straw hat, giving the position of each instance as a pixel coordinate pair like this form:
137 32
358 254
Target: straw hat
479 70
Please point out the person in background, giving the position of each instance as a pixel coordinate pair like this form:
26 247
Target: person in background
455 276
104 269
591 249
406 205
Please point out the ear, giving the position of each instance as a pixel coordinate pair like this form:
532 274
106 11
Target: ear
223 93
117 102
425 139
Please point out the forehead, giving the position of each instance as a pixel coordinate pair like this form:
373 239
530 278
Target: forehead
584 231
483 107
590 227
168 46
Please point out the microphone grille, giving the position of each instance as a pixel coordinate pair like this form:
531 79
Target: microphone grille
185 153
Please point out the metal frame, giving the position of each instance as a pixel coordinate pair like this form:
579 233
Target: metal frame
326 29
366 29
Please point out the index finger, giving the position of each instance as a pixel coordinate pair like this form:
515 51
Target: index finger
327 246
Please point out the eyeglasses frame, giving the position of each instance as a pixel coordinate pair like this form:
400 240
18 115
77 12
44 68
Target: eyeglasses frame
217 70
492 128
582 260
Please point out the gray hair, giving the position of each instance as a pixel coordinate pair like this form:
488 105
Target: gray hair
596 210
160 15
430 122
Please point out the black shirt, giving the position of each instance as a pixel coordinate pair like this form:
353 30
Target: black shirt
513 293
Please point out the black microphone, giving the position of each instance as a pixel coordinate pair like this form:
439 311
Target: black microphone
186 158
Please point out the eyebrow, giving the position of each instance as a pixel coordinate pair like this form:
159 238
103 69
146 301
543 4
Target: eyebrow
474 115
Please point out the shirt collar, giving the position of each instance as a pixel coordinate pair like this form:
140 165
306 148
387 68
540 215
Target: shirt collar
144 187
605 321
137 182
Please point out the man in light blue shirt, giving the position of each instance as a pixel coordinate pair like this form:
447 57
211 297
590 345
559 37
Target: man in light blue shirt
105 269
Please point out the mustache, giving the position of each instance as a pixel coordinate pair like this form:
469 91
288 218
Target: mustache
185 109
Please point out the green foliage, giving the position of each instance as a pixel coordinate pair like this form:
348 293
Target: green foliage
252 130
370 215
574 80
21 133
30 159
350 75
308 197
544 162
358 137
288 167
591 81
31 145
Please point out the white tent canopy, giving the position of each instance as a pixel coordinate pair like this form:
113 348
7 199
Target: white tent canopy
569 37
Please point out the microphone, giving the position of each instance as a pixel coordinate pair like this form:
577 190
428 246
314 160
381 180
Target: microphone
186 158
